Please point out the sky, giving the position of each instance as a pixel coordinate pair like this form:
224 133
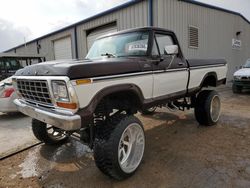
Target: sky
24 20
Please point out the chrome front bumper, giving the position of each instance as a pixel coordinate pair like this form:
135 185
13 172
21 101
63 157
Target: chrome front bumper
65 122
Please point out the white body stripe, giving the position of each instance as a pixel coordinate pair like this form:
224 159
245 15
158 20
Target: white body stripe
151 85
87 91
197 75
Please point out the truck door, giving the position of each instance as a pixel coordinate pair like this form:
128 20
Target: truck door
170 75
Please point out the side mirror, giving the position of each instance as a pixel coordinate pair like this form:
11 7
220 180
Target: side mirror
171 50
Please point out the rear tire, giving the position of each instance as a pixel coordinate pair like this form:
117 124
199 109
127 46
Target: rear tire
119 147
48 134
236 89
207 107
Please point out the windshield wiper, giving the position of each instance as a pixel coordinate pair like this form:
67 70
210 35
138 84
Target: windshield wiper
109 55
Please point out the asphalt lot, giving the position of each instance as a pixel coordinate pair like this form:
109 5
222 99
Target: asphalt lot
179 153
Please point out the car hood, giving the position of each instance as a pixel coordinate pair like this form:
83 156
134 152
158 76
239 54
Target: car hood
75 69
243 72
7 80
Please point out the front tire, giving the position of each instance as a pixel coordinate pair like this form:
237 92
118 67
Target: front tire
119 147
207 107
48 134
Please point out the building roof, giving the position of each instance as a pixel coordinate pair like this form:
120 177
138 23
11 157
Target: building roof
216 8
125 5
119 7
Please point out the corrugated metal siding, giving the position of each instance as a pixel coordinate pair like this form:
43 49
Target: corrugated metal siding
47 44
134 16
216 30
28 49
130 17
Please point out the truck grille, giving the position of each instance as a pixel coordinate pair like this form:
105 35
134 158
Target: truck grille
36 91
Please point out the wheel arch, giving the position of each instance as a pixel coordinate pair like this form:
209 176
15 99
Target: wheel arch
210 79
131 91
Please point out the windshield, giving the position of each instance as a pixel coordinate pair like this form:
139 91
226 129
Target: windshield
247 65
129 44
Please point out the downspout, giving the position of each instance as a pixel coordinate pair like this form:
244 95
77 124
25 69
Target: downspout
76 45
37 47
150 13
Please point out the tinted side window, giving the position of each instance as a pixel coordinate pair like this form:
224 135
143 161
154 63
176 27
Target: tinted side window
14 65
7 65
163 40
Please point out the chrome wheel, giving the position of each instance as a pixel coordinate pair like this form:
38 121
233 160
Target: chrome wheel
131 147
48 134
215 108
56 133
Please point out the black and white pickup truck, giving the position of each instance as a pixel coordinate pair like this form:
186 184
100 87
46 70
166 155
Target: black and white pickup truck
123 73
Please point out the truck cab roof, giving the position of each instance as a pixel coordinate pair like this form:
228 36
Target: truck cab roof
138 29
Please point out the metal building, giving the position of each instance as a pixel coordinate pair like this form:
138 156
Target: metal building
204 31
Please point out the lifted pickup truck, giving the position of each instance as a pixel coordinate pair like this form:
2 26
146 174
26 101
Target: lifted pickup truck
123 73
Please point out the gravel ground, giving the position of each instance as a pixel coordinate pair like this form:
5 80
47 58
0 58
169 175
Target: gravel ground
179 153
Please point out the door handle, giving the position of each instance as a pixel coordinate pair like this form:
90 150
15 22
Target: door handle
180 63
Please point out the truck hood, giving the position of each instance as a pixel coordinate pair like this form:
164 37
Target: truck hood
76 69
243 72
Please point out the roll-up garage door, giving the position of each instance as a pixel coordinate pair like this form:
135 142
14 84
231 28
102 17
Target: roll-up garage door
63 48
99 32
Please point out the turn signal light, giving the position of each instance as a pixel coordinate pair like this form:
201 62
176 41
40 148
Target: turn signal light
85 81
67 105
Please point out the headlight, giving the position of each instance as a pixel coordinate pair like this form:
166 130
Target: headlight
237 77
60 91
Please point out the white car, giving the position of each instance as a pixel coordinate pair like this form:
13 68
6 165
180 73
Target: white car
242 78
7 95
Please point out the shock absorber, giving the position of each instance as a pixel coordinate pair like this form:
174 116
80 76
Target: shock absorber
88 134
99 115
